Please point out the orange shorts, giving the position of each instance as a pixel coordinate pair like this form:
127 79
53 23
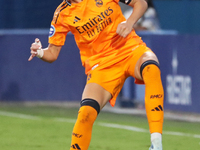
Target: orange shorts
112 77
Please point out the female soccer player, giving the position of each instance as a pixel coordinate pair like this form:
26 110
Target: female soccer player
110 51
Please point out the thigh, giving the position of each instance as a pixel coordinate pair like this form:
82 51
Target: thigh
139 56
96 92
105 83
149 55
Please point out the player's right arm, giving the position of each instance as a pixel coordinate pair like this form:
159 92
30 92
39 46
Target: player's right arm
49 54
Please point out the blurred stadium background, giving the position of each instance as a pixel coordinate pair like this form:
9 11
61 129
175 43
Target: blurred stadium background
61 83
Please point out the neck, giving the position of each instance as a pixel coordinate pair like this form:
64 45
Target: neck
75 1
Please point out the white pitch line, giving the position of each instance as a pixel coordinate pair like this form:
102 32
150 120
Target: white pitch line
182 134
65 120
109 125
136 129
18 115
118 126
130 128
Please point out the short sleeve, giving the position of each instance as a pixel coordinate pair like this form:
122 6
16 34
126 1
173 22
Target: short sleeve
58 31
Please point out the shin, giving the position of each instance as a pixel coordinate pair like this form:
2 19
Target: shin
154 95
82 130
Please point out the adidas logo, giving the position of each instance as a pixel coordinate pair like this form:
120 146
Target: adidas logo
76 146
159 108
76 19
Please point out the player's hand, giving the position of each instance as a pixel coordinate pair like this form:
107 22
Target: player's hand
34 47
124 29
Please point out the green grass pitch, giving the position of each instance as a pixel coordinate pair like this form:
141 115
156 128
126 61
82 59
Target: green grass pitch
50 128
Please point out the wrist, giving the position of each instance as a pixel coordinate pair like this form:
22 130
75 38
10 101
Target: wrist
40 53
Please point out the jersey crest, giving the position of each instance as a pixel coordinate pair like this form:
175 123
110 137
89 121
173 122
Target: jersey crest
99 3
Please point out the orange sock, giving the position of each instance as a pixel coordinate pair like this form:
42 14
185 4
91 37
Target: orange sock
82 132
154 96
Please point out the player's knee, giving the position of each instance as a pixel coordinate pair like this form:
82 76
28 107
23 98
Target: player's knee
88 111
92 103
151 67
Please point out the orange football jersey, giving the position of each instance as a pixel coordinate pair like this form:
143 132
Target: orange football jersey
93 24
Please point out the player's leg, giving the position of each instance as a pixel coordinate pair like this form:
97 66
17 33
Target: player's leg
97 92
149 72
93 99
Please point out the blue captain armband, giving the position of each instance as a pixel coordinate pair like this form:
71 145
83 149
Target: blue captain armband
125 1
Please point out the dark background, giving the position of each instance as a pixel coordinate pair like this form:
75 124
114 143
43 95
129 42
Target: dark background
180 15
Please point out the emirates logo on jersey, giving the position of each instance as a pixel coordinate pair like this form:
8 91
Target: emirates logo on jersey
95 25
99 3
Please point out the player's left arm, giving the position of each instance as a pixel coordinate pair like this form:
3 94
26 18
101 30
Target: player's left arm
139 8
